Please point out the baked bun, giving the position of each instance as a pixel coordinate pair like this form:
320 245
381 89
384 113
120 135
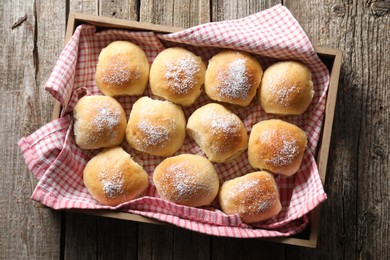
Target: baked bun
286 88
187 179
100 121
156 127
112 177
220 133
122 69
277 146
254 197
233 77
177 75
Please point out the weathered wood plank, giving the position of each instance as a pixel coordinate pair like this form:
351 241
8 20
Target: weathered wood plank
355 219
84 6
233 248
122 9
175 13
28 230
234 9
90 237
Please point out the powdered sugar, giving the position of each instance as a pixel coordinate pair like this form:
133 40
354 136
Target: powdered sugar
286 154
117 72
112 182
286 148
258 195
223 122
234 84
105 123
182 180
181 75
181 183
106 117
154 135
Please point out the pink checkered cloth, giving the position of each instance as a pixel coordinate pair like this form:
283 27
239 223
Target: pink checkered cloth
271 35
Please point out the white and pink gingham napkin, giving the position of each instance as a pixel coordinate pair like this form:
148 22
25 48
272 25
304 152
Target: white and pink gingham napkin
271 35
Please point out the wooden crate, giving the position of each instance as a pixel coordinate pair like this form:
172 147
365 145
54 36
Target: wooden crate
330 57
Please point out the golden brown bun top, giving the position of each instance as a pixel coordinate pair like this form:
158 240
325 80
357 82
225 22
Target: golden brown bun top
177 75
122 69
220 133
112 177
286 88
187 179
100 121
233 77
254 197
277 146
156 127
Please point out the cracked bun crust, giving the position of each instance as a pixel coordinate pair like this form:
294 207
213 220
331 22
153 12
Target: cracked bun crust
220 133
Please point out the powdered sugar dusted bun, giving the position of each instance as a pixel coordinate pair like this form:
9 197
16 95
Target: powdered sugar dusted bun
286 88
187 179
112 177
177 75
277 146
233 77
100 121
156 127
220 133
254 197
122 69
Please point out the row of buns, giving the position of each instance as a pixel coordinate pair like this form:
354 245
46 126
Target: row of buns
231 76
112 177
159 127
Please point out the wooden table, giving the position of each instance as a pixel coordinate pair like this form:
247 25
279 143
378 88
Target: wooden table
355 219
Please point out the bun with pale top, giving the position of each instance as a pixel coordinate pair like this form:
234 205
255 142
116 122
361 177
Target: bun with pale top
233 77
156 127
286 88
122 69
187 179
100 121
177 75
276 146
112 177
254 197
220 133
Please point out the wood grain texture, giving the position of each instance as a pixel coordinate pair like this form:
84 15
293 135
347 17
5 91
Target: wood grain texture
28 230
234 9
90 237
175 13
123 9
233 248
355 219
